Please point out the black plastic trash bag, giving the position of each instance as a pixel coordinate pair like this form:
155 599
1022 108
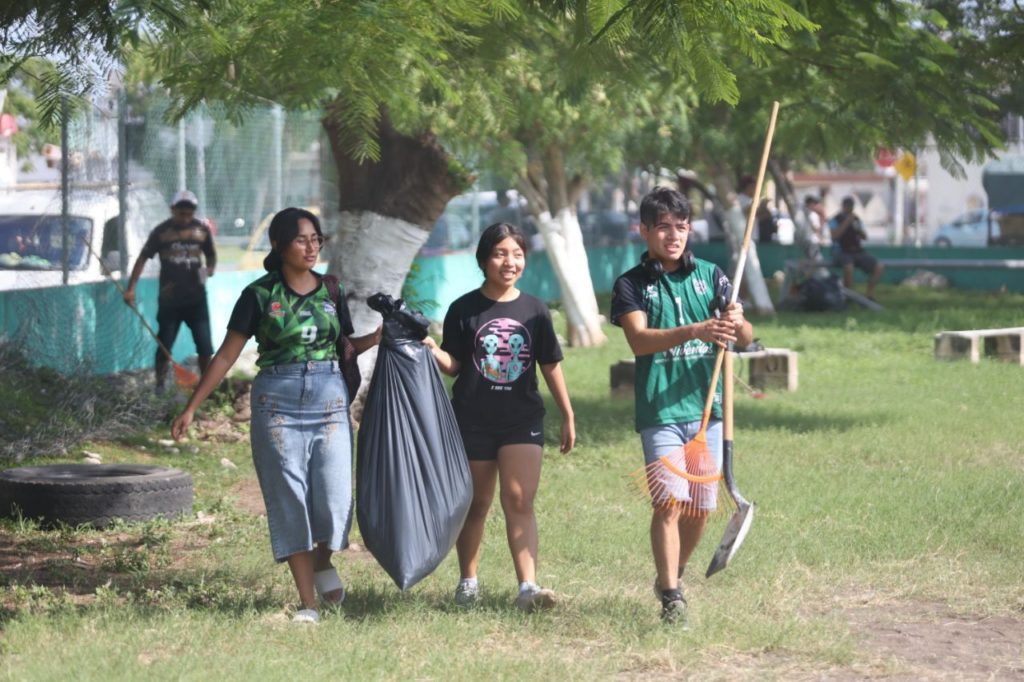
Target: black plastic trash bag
413 486
822 294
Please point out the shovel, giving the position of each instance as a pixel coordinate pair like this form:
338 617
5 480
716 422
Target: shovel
739 524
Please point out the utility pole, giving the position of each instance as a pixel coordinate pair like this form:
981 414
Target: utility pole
277 117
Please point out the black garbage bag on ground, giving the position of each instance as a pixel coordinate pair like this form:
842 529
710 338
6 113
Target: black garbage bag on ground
822 294
413 486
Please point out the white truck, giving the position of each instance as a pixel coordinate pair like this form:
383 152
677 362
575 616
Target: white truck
32 234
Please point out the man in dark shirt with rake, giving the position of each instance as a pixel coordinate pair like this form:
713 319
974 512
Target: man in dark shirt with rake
182 242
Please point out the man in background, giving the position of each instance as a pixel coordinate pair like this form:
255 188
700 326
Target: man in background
848 236
182 242
810 228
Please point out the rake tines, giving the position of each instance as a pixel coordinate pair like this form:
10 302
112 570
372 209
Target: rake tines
687 478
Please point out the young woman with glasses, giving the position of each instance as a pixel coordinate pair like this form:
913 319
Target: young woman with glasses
300 435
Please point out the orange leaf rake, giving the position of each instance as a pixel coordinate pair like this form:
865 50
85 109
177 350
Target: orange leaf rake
688 476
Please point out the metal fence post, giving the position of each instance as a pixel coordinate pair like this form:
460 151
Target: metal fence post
122 183
65 217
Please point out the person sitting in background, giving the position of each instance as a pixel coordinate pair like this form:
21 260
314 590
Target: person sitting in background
848 236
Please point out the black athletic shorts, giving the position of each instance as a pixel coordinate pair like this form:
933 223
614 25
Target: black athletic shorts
483 444
862 260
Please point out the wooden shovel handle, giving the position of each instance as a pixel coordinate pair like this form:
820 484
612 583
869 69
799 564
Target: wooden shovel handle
727 391
741 262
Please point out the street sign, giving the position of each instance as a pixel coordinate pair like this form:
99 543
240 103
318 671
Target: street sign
8 125
885 157
906 165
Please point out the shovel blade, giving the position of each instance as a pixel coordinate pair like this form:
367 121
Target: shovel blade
735 533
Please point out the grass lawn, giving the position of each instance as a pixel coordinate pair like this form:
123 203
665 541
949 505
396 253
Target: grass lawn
887 543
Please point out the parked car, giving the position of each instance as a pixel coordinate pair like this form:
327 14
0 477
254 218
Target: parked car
468 214
969 229
605 227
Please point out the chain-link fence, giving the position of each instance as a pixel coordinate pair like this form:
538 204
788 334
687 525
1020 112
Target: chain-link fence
241 172
80 213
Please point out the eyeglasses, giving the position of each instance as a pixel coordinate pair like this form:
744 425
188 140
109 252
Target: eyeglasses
316 241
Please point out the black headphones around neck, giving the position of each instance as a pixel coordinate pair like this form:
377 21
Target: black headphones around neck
653 268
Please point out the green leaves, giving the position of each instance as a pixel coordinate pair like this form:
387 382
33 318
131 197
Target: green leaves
494 77
874 61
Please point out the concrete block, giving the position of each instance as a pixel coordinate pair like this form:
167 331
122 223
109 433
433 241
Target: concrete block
973 344
772 368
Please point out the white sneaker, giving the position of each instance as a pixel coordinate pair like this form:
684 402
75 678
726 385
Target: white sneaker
535 598
467 594
306 616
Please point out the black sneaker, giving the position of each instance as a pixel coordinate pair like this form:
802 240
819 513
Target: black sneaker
679 577
673 608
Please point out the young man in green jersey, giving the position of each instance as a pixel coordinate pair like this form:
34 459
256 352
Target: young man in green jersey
668 307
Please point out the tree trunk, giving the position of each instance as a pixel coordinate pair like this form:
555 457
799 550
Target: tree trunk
386 210
563 240
550 197
784 187
413 180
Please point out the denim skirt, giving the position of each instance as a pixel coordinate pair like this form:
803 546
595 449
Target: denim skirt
302 451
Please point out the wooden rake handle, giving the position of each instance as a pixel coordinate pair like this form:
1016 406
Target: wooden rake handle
742 261
142 318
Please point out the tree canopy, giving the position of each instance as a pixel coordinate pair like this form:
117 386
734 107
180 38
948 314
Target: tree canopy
870 75
84 42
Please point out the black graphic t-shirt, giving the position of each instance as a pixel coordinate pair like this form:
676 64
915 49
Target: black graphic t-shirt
499 345
182 280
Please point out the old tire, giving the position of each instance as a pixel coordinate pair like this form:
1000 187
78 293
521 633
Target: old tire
95 494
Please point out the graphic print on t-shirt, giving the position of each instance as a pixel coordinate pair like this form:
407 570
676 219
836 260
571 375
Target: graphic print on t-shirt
501 352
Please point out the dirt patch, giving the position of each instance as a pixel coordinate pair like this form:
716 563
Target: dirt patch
922 640
248 497
57 563
218 428
896 641
249 500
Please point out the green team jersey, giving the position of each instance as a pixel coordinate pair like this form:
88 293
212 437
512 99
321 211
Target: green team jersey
671 386
288 327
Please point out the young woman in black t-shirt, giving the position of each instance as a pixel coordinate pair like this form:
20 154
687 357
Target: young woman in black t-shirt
494 337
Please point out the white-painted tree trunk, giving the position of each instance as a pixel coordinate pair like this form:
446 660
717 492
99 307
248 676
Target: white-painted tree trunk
371 253
563 240
757 289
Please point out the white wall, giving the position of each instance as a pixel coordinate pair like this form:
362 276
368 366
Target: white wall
948 197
